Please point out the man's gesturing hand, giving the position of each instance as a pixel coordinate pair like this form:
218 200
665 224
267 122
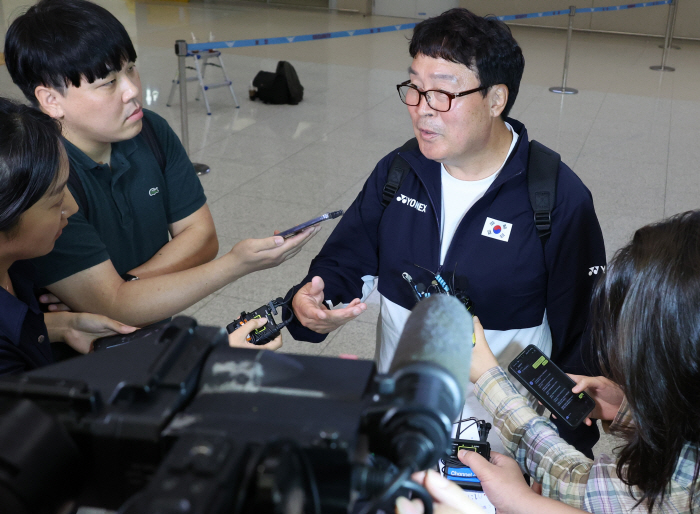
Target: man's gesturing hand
312 313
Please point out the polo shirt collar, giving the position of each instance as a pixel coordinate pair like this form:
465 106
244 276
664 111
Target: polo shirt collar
14 309
118 159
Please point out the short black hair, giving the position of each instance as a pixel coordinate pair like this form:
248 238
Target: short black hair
484 45
30 157
57 42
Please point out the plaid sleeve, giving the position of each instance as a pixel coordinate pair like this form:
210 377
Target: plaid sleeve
566 474
623 417
533 441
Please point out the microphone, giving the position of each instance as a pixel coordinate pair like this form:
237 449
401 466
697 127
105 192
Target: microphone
439 330
430 371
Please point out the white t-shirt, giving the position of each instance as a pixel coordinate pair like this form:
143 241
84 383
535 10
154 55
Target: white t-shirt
458 196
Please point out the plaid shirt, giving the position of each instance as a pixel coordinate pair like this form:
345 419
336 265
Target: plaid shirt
565 473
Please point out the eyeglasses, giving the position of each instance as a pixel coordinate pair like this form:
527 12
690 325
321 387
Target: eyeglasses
437 98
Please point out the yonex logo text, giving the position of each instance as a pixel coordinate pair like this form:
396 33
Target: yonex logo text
420 207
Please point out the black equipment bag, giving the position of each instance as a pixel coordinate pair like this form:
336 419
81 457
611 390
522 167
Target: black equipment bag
281 87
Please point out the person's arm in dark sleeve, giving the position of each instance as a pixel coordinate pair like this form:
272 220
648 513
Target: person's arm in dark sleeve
11 362
575 257
350 253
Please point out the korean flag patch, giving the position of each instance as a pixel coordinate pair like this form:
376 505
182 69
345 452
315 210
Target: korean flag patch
497 229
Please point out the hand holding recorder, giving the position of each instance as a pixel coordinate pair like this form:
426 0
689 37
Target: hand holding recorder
239 338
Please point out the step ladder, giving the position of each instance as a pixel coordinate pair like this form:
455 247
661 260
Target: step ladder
201 61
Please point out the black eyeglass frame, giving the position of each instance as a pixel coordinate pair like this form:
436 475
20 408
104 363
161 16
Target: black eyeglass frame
449 95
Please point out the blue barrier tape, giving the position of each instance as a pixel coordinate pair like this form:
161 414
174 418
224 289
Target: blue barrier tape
583 11
622 7
241 43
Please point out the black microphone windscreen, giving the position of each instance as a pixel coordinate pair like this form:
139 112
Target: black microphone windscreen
439 330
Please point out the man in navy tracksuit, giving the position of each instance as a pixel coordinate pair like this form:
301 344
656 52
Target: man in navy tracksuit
463 211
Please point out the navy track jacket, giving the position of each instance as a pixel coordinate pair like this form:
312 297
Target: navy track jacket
510 283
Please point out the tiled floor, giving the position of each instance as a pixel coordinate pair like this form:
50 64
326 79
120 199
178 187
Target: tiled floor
631 134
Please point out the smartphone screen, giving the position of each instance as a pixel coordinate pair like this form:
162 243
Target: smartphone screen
551 386
323 217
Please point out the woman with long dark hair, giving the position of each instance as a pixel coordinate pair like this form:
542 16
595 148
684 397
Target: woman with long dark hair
646 325
34 207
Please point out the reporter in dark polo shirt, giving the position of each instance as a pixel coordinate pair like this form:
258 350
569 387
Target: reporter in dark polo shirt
74 60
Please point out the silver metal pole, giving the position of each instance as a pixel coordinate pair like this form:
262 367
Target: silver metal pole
667 39
563 89
673 29
181 52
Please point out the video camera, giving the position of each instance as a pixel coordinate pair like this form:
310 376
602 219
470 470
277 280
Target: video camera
173 420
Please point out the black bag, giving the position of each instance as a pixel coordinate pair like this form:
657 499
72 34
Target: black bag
281 87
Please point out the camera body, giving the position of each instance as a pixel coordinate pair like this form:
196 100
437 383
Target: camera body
177 421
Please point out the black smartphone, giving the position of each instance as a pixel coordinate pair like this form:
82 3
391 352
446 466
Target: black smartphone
323 217
551 386
107 342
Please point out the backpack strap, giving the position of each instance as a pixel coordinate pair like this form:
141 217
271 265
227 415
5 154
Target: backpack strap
149 136
397 172
542 174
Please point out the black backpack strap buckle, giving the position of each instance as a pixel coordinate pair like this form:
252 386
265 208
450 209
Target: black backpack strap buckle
543 222
542 174
398 170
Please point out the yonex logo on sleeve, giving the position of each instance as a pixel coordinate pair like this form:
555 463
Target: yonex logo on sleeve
594 270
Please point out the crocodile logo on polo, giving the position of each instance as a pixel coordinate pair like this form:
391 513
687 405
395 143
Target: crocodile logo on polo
153 191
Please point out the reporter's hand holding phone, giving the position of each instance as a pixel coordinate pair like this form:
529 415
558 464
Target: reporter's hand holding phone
482 356
237 338
80 329
259 254
608 396
311 312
